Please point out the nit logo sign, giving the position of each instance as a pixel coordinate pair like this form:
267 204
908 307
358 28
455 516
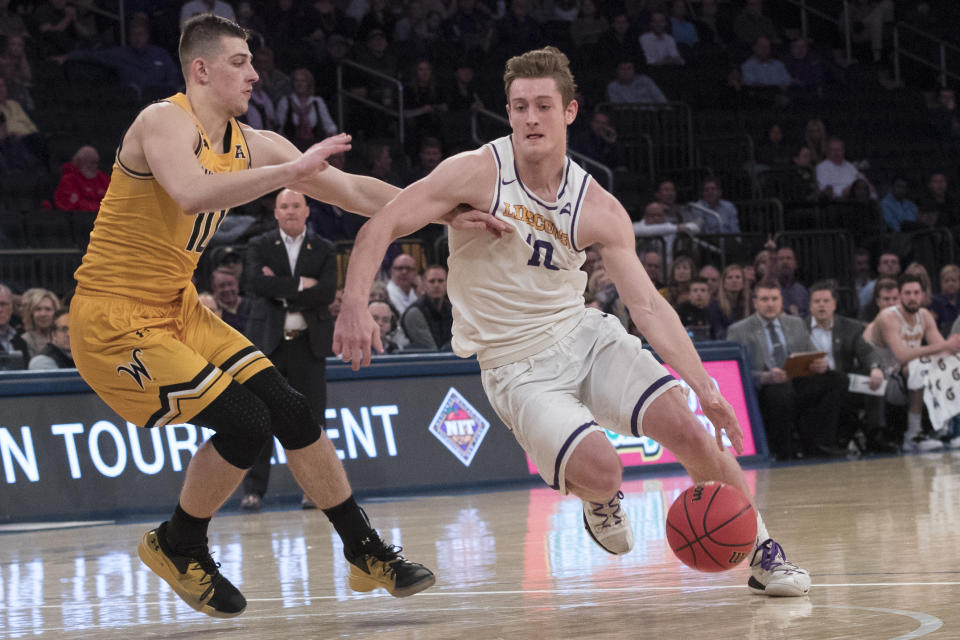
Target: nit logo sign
459 426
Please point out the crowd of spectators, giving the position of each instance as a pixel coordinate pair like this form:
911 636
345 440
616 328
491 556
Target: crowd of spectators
448 55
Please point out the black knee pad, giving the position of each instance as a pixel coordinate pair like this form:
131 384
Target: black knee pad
293 422
241 421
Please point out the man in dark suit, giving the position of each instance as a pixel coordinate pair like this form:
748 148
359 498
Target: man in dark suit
841 338
292 275
806 407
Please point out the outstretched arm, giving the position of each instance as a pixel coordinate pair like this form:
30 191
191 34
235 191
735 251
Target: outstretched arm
606 224
905 353
466 178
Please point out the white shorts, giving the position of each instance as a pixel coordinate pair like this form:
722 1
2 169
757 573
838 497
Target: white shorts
916 373
597 376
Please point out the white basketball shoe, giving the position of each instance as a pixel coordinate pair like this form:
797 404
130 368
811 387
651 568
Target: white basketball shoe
607 524
921 444
772 575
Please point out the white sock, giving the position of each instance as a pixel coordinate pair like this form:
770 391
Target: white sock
762 534
913 425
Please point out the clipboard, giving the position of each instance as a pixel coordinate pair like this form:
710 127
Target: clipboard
798 364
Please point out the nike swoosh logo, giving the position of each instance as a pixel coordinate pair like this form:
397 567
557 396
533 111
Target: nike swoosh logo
506 182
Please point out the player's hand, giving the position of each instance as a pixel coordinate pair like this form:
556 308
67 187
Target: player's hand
721 414
777 376
314 159
354 334
463 218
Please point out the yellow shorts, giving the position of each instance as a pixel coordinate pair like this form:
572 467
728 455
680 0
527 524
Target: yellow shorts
157 364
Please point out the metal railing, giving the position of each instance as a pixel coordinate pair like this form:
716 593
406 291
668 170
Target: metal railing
668 125
944 52
48 268
343 94
579 157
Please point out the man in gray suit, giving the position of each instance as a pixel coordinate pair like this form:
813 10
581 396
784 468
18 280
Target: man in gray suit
803 410
841 338
292 274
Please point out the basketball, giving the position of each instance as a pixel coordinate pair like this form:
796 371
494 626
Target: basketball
711 527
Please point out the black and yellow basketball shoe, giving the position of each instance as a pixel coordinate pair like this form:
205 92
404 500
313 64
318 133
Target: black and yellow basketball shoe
195 577
374 564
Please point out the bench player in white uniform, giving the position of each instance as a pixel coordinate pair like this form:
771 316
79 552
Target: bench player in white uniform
553 370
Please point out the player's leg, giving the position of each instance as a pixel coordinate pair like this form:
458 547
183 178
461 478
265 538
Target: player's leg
537 399
914 439
310 454
317 469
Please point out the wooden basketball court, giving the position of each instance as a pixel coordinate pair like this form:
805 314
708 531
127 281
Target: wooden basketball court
881 538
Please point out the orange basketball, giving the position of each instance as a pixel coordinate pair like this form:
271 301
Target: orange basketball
711 527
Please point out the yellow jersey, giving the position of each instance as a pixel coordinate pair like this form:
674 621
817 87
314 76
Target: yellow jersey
142 245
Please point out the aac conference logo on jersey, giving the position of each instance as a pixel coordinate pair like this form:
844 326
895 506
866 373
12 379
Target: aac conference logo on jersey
459 426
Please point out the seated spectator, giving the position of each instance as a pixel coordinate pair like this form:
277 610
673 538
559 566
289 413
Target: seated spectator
428 157
516 31
37 308
599 141
140 64
888 268
841 338
944 116
234 309
946 304
800 415
713 25
378 16
401 288
659 47
751 24
14 154
56 355
82 185
862 276
620 42
712 275
652 263
938 197
815 139
836 175
630 88
206 299
666 195
304 118
589 26
716 214
902 329
252 22
276 83
261 112
411 23
18 123
684 32
774 151
897 209
733 296
11 24
803 178
654 225
699 314
867 19
386 318
59 29
677 290
12 346
806 68
762 263
763 70
196 7
15 67
428 322
423 104
470 25
796 299
379 158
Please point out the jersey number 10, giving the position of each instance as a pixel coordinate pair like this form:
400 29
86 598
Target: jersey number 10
203 229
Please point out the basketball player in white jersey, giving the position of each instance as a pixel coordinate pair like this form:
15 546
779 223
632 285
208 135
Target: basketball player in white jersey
903 328
553 370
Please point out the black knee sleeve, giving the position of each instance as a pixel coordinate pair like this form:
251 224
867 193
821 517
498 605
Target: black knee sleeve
292 420
241 421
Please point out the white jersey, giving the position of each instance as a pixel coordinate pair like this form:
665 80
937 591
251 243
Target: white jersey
517 295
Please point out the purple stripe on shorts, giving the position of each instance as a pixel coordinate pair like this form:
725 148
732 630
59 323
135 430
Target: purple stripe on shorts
634 427
563 452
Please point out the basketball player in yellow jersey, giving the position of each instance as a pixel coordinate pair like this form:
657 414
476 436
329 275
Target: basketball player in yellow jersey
147 346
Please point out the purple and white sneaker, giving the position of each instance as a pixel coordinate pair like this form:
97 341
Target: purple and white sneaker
607 524
772 575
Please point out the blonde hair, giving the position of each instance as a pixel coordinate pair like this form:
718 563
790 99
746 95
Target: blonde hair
548 62
30 299
734 305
